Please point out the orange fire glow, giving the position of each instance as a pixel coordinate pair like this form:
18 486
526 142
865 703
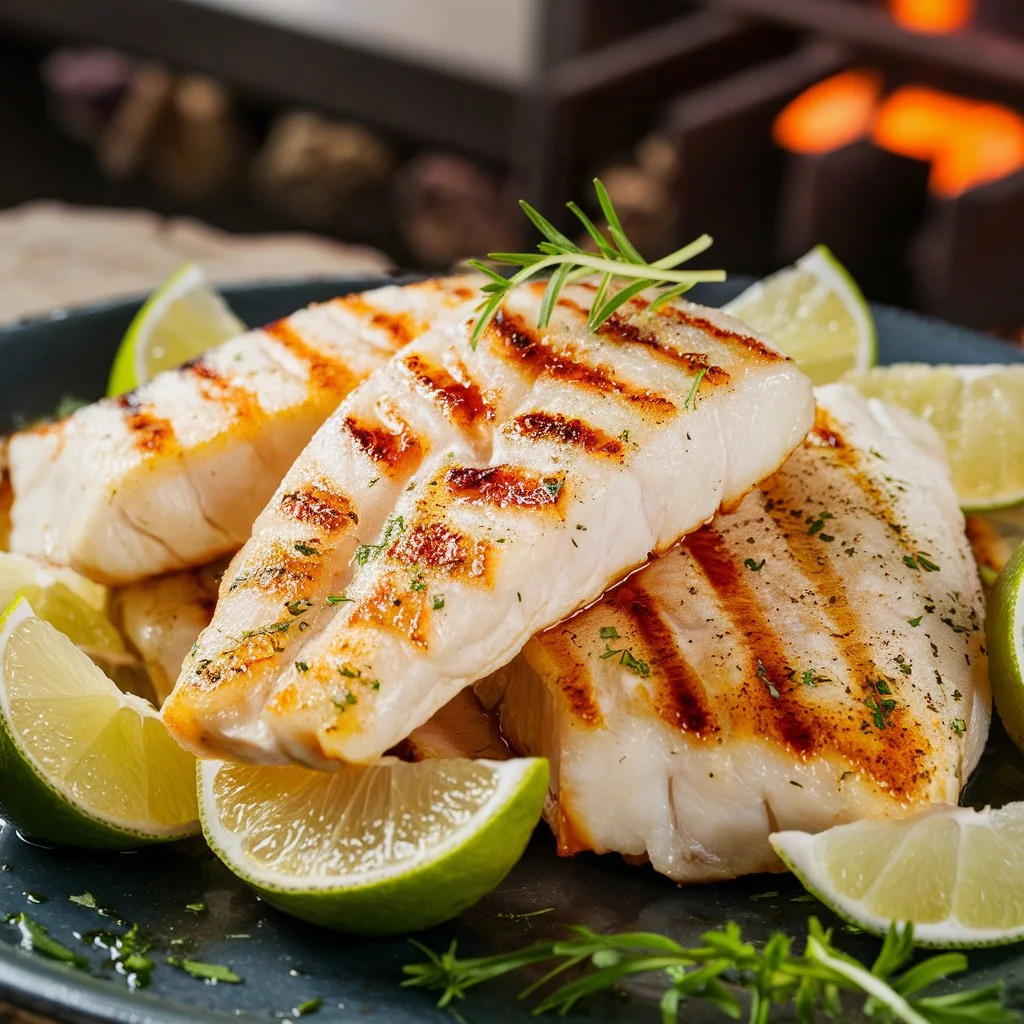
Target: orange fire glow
830 114
967 143
932 16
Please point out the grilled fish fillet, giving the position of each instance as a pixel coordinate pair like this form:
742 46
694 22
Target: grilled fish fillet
162 617
460 500
172 475
813 657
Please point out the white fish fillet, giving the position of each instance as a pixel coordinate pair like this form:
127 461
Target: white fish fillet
813 657
172 475
460 500
162 617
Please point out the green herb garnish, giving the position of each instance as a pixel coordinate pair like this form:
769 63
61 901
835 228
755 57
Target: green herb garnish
306 549
616 260
367 552
752 565
36 939
215 973
438 602
722 965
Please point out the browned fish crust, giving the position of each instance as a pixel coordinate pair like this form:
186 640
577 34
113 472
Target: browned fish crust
523 347
150 433
456 393
321 507
401 328
326 372
393 450
546 426
507 487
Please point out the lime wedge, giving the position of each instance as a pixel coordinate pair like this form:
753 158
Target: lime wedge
377 849
83 763
978 411
182 319
815 313
955 873
18 572
1004 632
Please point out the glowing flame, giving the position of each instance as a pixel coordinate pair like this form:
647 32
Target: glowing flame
967 143
933 16
830 114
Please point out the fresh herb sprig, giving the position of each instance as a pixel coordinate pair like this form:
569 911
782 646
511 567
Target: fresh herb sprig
722 966
616 260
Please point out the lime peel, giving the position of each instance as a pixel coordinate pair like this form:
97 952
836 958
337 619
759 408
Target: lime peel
968 887
814 312
453 868
61 803
183 318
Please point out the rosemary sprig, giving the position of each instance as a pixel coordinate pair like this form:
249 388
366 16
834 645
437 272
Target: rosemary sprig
723 965
616 260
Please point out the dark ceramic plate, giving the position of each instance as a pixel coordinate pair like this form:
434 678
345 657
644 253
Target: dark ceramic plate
285 963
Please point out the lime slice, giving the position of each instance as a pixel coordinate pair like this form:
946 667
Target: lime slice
18 572
182 319
83 763
978 411
376 849
815 313
955 873
1004 631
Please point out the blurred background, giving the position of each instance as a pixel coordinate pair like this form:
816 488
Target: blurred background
892 130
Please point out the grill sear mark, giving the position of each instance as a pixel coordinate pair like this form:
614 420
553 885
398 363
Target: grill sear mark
215 387
395 450
320 507
754 346
546 426
453 390
282 571
565 659
677 694
433 545
522 346
150 433
826 433
894 756
394 606
401 328
326 372
507 487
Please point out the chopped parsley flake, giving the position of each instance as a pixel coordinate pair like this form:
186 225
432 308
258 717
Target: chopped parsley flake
956 627
299 607
86 900
762 674
306 549
35 938
347 671
553 485
881 711
882 686
959 726
367 552
338 598
926 563
915 622
626 657
808 678
908 560
195 908
438 602
609 633
212 973
301 666
906 667
752 565
957 696
308 1007
375 685
417 585
817 523
373 481
691 398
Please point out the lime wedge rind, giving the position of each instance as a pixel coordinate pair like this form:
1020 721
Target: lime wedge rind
978 410
449 878
804 854
1004 634
152 344
814 312
33 801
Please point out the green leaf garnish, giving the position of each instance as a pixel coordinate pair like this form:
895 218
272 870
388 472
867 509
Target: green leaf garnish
617 261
